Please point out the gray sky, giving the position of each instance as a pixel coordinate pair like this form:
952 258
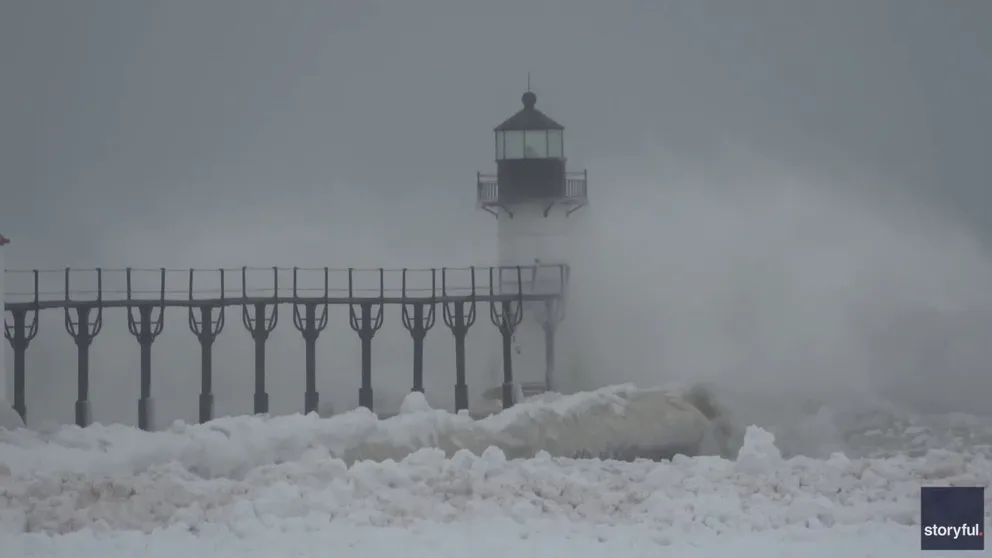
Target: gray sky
201 105
188 133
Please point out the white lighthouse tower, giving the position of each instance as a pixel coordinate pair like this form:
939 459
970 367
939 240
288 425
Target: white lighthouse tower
3 311
532 196
8 416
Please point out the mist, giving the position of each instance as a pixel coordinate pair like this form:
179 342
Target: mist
787 201
781 288
787 291
340 227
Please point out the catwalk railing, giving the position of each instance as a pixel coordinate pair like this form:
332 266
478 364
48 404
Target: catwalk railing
84 295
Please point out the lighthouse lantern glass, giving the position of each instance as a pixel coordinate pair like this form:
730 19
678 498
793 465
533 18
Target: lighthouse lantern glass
513 144
535 144
555 144
529 144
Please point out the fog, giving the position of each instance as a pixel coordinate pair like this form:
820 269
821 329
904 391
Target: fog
786 201
763 279
784 287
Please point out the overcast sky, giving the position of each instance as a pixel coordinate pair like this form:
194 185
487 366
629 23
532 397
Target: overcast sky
195 133
117 106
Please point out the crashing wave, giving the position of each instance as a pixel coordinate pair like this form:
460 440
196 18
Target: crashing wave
9 418
619 422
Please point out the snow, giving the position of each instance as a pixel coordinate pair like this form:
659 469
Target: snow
430 483
600 422
9 418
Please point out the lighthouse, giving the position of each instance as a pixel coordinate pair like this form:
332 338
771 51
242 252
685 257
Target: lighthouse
3 311
533 197
8 417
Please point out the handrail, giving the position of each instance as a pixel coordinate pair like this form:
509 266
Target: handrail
113 288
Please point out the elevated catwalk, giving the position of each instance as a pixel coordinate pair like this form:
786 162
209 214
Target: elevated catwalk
143 295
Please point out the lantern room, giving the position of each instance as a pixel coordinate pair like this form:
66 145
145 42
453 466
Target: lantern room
529 134
530 164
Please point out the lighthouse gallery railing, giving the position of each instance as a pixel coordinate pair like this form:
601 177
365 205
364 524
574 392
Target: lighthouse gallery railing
576 188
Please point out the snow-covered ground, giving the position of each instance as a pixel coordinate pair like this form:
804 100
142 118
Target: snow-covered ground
306 486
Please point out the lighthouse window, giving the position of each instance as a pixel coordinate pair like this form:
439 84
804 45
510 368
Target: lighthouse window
513 144
536 144
555 147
